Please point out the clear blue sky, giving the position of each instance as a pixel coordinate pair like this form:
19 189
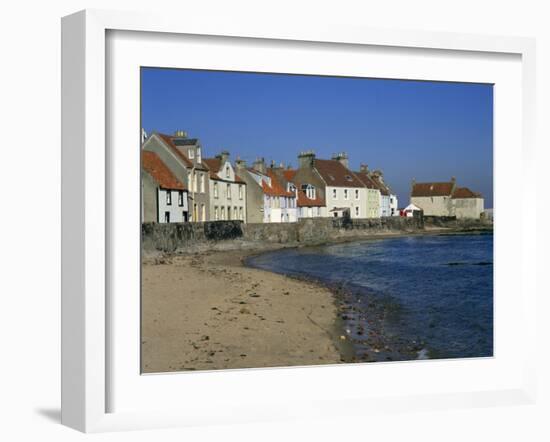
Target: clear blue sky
409 129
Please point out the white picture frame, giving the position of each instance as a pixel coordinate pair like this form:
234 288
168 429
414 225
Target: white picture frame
86 352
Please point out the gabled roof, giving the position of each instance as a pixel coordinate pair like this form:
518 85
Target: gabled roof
432 189
153 165
366 180
170 143
175 146
289 174
276 188
335 174
304 201
464 192
215 165
379 184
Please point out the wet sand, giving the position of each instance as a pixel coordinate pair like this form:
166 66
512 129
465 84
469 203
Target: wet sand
207 311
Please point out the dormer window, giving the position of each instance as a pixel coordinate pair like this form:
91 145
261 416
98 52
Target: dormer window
191 153
198 154
348 178
227 173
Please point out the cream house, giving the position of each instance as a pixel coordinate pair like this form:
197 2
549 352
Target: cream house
374 198
446 199
227 190
337 186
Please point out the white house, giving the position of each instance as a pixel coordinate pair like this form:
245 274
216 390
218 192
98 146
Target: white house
227 190
164 197
278 203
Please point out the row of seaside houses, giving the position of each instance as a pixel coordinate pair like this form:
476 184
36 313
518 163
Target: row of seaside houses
180 185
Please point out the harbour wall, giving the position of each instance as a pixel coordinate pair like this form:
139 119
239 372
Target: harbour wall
226 235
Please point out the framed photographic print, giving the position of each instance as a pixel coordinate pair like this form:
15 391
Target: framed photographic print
263 222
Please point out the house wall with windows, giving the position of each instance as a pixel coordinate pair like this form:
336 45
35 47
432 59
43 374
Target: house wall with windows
172 206
393 205
227 197
280 209
353 198
373 203
164 197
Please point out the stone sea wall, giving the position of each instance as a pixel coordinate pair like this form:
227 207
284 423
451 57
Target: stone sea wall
220 235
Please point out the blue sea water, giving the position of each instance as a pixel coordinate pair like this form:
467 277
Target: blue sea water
408 297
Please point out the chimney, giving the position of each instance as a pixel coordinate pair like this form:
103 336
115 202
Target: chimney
363 168
342 158
306 159
259 165
223 156
240 164
180 134
453 182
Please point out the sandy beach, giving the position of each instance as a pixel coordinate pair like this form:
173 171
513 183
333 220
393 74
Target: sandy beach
207 311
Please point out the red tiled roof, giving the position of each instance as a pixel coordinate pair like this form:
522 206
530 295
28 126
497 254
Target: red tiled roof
214 164
304 201
301 198
276 188
464 192
432 189
153 165
289 174
335 174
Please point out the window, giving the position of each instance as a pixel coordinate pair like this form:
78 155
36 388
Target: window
229 213
235 213
198 154
287 218
240 191
215 190
335 214
180 198
166 217
168 198
203 212
223 212
216 213
334 194
357 211
228 191
227 173
346 194
191 153
356 194
202 182
195 183
348 178
241 213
